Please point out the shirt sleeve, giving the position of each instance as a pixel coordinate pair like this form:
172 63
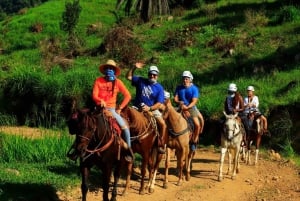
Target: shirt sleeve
125 92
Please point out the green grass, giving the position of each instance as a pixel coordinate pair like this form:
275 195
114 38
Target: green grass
268 64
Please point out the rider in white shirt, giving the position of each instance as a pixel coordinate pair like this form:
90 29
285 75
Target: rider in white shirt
251 103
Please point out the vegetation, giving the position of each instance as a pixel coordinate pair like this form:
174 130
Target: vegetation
247 42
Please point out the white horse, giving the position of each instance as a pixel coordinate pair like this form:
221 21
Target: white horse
231 139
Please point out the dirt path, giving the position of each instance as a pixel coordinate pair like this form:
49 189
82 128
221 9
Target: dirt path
272 179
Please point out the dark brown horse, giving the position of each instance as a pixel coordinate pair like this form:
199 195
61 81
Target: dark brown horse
144 136
98 145
178 139
254 135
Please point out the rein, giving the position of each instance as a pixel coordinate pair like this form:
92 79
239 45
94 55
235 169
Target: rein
146 132
99 148
176 134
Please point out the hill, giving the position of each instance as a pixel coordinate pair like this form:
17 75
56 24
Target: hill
246 42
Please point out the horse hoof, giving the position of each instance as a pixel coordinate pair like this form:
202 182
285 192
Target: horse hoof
220 178
124 193
233 177
142 192
188 177
165 185
179 183
151 190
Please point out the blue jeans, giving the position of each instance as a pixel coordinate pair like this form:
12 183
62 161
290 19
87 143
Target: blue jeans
122 124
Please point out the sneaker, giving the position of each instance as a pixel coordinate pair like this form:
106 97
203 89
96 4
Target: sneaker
161 150
193 147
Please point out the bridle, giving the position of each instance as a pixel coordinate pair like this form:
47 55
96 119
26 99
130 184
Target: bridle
235 130
93 130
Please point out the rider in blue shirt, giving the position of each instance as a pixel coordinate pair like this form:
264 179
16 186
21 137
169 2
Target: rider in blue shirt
149 97
187 95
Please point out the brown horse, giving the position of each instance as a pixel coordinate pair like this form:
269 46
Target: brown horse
178 139
98 145
254 135
144 136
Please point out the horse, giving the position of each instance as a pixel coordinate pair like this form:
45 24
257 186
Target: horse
231 139
179 135
144 137
98 144
254 134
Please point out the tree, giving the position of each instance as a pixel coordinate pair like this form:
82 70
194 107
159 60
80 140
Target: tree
70 18
147 8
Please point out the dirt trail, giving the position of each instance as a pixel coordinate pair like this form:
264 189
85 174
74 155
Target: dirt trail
272 179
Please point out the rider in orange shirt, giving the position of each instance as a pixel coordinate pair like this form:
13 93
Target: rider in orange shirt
105 91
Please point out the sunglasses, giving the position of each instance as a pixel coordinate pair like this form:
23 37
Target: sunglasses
152 75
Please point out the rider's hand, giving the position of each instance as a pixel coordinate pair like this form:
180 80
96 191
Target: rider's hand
118 111
139 64
184 107
102 103
146 108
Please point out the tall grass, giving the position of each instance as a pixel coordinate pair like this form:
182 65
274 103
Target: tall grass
41 149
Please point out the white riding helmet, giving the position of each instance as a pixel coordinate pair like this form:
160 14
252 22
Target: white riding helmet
250 88
232 87
166 95
187 74
153 70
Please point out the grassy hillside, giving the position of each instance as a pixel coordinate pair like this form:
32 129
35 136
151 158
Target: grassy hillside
246 42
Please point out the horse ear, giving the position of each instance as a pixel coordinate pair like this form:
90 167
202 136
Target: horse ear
236 114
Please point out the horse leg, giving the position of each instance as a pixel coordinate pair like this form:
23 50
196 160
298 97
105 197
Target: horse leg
84 181
151 174
248 161
116 181
143 173
106 174
156 160
167 164
229 161
222 156
189 159
258 140
235 162
180 163
128 176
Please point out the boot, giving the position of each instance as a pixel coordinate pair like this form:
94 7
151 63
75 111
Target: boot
129 157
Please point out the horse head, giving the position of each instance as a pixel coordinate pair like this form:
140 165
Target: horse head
231 126
164 108
83 125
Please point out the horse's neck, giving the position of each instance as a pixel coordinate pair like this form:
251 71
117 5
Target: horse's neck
176 120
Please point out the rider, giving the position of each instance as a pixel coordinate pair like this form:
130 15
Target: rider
251 111
234 103
187 96
150 96
105 91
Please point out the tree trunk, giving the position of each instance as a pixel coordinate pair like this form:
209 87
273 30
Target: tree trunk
153 7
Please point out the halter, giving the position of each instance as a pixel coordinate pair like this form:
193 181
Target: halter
93 130
235 130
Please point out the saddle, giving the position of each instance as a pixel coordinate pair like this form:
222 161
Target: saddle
113 124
